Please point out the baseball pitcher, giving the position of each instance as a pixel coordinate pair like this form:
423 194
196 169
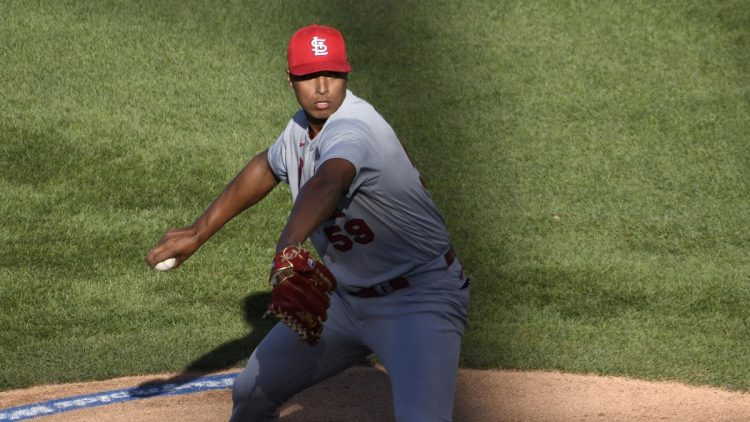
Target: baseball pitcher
388 281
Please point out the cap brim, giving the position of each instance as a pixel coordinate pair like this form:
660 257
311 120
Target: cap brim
308 68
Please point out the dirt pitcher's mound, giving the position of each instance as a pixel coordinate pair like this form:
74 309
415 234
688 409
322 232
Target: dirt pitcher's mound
363 395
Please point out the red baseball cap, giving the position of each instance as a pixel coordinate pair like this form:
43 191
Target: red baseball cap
317 48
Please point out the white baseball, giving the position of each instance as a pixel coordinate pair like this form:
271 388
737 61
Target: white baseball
165 265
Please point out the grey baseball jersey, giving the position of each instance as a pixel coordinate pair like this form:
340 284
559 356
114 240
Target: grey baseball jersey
386 225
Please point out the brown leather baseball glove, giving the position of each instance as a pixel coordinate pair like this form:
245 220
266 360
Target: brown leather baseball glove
301 292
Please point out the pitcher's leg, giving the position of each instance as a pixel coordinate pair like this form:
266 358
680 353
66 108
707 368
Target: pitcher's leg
283 365
421 353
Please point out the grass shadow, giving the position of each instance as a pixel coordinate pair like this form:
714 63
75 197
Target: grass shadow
230 353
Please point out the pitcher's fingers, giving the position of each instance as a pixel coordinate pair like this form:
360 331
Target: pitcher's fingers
157 254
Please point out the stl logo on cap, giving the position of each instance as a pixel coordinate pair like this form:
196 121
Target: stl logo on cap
319 46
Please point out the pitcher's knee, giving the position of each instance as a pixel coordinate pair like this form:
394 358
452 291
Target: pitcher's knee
251 403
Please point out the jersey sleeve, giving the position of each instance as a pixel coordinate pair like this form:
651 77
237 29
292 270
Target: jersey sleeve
276 154
349 141
282 153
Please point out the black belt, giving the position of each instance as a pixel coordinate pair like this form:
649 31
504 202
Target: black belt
397 283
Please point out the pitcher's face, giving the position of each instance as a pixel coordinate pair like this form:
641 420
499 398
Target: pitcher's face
319 94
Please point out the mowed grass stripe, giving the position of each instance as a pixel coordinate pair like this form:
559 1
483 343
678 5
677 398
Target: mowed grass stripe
590 160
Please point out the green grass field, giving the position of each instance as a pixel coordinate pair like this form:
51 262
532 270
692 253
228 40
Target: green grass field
591 160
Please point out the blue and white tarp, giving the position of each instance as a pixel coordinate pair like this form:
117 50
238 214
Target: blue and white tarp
36 410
